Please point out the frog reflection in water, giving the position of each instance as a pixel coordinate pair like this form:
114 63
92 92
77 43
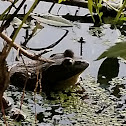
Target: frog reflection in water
59 75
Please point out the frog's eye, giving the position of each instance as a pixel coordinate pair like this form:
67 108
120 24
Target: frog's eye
68 62
69 53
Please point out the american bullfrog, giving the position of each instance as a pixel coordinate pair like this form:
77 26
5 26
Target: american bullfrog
59 75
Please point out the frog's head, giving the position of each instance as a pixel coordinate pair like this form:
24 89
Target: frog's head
64 71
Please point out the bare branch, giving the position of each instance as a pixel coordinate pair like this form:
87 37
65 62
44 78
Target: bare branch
23 51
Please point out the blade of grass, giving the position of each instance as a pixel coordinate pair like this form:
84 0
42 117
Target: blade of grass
2 15
24 20
120 11
90 7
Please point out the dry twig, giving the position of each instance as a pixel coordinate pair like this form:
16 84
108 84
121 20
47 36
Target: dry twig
23 51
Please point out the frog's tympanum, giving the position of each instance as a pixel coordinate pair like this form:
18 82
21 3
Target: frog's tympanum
59 75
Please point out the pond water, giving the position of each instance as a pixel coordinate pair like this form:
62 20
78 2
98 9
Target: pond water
72 110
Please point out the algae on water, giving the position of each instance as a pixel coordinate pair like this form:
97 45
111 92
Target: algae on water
95 106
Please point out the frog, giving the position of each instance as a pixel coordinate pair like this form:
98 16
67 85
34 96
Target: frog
52 76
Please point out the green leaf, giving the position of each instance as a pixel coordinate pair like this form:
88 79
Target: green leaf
123 18
100 15
99 5
118 50
60 1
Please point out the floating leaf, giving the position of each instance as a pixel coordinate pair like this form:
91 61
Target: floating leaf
16 23
118 50
53 20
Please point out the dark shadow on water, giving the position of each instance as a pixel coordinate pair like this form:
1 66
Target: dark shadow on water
109 69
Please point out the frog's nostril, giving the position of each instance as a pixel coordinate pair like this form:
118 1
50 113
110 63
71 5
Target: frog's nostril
78 62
